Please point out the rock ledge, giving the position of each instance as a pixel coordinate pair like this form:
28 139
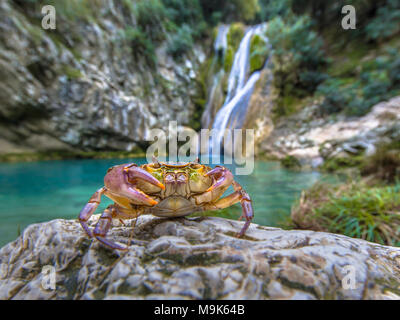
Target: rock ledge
196 258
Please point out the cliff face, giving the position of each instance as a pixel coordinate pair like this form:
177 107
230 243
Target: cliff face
82 86
196 258
314 139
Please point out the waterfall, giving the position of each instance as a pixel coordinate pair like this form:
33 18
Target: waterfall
240 86
220 41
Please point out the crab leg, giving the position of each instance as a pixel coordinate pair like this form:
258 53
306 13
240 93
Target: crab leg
89 209
247 208
238 196
104 224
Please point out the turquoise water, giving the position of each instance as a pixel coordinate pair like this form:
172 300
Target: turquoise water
41 191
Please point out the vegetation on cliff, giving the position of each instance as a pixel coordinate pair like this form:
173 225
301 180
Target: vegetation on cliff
350 70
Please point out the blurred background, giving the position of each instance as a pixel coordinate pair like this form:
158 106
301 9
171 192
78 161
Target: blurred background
319 85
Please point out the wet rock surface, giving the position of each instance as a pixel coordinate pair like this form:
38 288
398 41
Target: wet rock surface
196 258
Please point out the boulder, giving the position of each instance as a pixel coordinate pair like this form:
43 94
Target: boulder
195 258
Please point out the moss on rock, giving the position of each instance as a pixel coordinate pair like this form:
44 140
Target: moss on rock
340 163
228 59
258 53
235 35
291 162
61 155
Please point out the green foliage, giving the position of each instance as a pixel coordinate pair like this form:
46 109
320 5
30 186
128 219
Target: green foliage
269 9
216 11
181 42
258 53
291 162
338 163
377 80
228 59
151 16
62 155
140 44
298 57
70 10
186 12
72 73
235 35
233 38
385 23
355 209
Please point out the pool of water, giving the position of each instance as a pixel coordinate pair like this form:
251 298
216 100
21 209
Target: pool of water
41 191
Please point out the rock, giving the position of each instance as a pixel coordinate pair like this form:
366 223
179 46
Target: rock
195 258
80 87
342 137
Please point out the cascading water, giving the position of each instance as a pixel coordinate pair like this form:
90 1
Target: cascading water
240 87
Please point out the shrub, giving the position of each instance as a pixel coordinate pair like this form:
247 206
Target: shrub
291 162
297 56
339 163
354 209
184 11
269 9
150 17
181 42
385 23
140 44
377 80
229 10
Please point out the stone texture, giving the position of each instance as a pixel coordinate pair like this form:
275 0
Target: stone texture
195 258
313 139
82 86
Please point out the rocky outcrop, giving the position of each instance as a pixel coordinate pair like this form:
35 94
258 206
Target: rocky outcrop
313 139
196 258
83 86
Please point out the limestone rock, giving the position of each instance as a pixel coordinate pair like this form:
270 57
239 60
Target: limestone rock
309 140
196 258
81 86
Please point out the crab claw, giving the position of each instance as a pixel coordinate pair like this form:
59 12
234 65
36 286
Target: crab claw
135 172
223 178
122 182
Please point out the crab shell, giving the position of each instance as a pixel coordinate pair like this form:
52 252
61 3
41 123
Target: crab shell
183 193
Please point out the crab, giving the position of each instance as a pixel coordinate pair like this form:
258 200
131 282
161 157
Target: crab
165 190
